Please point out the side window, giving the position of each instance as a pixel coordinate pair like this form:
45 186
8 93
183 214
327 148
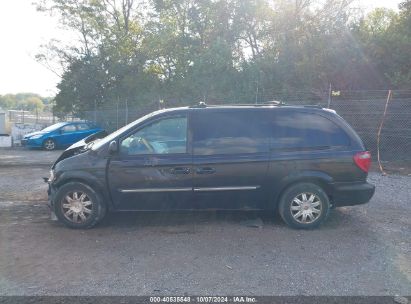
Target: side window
83 127
297 130
231 132
165 136
68 129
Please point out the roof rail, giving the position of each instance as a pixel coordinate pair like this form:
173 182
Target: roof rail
313 106
273 102
202 104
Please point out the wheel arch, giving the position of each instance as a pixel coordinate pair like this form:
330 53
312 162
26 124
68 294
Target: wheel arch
47 138
318 178
90 182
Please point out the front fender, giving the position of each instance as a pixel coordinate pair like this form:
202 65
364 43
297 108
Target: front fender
55 137
95 182
317 177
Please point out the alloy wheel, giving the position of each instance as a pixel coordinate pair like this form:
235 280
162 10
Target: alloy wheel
49 144
306 208
77 207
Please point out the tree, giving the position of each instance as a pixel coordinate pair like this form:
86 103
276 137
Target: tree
23 101
223 50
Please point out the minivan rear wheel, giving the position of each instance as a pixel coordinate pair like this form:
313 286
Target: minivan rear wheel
304 206
78 206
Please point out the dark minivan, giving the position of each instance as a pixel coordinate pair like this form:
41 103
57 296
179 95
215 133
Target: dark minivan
298 160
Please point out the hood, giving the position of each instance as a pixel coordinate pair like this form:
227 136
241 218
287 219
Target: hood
34 133
80 146
74 149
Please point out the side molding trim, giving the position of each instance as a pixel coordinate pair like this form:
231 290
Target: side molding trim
155 190
199 189
202 189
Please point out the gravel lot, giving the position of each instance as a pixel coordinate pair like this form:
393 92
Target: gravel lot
363 250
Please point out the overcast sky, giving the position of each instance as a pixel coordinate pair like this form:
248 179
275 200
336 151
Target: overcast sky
23 30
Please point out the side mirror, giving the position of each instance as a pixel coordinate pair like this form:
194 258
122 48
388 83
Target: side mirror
112 147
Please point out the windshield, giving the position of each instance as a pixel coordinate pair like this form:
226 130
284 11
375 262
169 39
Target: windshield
53 127
113 135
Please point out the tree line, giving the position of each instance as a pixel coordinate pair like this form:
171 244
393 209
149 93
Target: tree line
231 50
26 102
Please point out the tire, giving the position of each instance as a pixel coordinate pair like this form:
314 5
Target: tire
304 206
49 144
82 210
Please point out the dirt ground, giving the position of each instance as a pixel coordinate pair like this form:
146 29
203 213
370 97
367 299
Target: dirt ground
362 250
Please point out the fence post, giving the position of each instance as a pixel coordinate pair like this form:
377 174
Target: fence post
329 96
256 93
95 111
117 112
126 111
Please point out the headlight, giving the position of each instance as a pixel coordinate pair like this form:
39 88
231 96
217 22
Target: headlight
36 136
52 176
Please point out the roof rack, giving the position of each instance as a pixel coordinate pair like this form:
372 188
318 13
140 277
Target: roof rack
313 106
202 104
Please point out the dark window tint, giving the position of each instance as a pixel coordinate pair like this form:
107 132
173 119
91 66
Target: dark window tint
231 132
294 130
82 127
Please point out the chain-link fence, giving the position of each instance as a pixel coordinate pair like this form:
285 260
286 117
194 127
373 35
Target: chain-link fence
366 116
31 117
35 117
363 110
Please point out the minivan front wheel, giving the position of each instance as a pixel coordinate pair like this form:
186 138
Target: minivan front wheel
78 206
304 206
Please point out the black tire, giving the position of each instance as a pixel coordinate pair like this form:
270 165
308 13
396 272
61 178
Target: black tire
289 207
49 144
96 211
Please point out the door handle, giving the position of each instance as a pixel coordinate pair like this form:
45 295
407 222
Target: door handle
205 170
180 170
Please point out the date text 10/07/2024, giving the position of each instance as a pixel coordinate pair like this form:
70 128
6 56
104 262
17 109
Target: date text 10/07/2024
201 299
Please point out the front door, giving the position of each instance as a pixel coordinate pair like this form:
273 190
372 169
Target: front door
230 159
83 130
67 135
153 168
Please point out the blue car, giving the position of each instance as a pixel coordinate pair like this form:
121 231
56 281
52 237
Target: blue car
60 135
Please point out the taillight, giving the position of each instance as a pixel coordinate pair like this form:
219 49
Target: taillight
363 160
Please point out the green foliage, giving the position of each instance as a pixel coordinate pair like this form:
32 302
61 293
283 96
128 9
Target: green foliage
213 50
25 101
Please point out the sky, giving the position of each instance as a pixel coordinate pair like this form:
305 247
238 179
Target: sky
23 30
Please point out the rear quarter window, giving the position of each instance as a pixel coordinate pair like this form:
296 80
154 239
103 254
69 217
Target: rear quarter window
299 131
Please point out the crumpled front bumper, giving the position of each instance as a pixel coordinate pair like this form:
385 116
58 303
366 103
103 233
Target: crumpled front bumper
51 193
